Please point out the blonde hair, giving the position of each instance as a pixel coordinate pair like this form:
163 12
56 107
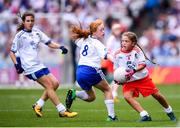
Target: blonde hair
78 32
133 37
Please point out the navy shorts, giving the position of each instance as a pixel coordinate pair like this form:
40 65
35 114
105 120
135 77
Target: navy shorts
88 76
36 75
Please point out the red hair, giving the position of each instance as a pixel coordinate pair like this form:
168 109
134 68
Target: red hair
78 32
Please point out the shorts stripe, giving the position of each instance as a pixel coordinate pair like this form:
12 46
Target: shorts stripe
99 71
38 74
34 76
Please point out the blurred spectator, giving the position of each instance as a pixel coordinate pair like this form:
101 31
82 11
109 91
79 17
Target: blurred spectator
113 42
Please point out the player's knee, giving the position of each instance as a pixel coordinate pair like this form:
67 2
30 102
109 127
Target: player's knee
49 86
127 96
56 84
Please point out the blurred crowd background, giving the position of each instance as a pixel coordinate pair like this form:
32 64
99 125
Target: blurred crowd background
156 22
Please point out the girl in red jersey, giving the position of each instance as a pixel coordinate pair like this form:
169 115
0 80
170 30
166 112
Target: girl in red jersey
132 57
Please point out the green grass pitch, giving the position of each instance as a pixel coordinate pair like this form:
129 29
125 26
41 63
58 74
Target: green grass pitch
16 111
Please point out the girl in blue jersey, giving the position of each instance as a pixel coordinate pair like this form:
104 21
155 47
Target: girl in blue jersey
88 73
26 43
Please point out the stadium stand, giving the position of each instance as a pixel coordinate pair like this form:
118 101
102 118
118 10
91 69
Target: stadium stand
156 22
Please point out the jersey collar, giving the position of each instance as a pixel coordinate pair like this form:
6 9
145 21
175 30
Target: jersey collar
27 30
126 51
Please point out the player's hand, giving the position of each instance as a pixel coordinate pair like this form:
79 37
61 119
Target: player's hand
64 50
129 74
19 69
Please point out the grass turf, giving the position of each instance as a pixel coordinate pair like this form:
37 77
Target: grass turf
16 110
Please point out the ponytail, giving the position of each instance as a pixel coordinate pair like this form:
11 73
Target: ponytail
20 26
78 32
145 54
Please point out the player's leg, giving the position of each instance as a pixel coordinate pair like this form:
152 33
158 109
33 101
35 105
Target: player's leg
55 84
115 92
149 88
70 97
48 82
131 90
86 95
37 107
128 96
86 76
167 108
44 97
109 102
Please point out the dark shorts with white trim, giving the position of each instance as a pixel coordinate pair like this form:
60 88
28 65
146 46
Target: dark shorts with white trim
88 76
38 74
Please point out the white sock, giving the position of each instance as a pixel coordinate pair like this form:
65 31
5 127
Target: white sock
82 95
168 110
144 113
110 107
40 102
115 94
60 108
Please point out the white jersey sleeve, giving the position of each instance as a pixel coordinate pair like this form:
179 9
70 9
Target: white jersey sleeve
115 62
79 42
141 58
16 44
101 49
43 37
116 59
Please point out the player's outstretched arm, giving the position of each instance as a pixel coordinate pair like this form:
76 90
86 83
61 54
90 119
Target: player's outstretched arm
55 45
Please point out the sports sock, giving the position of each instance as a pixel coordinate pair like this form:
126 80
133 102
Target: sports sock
110 107
40 102
115 94
168 110
60 108
144 113
82 95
